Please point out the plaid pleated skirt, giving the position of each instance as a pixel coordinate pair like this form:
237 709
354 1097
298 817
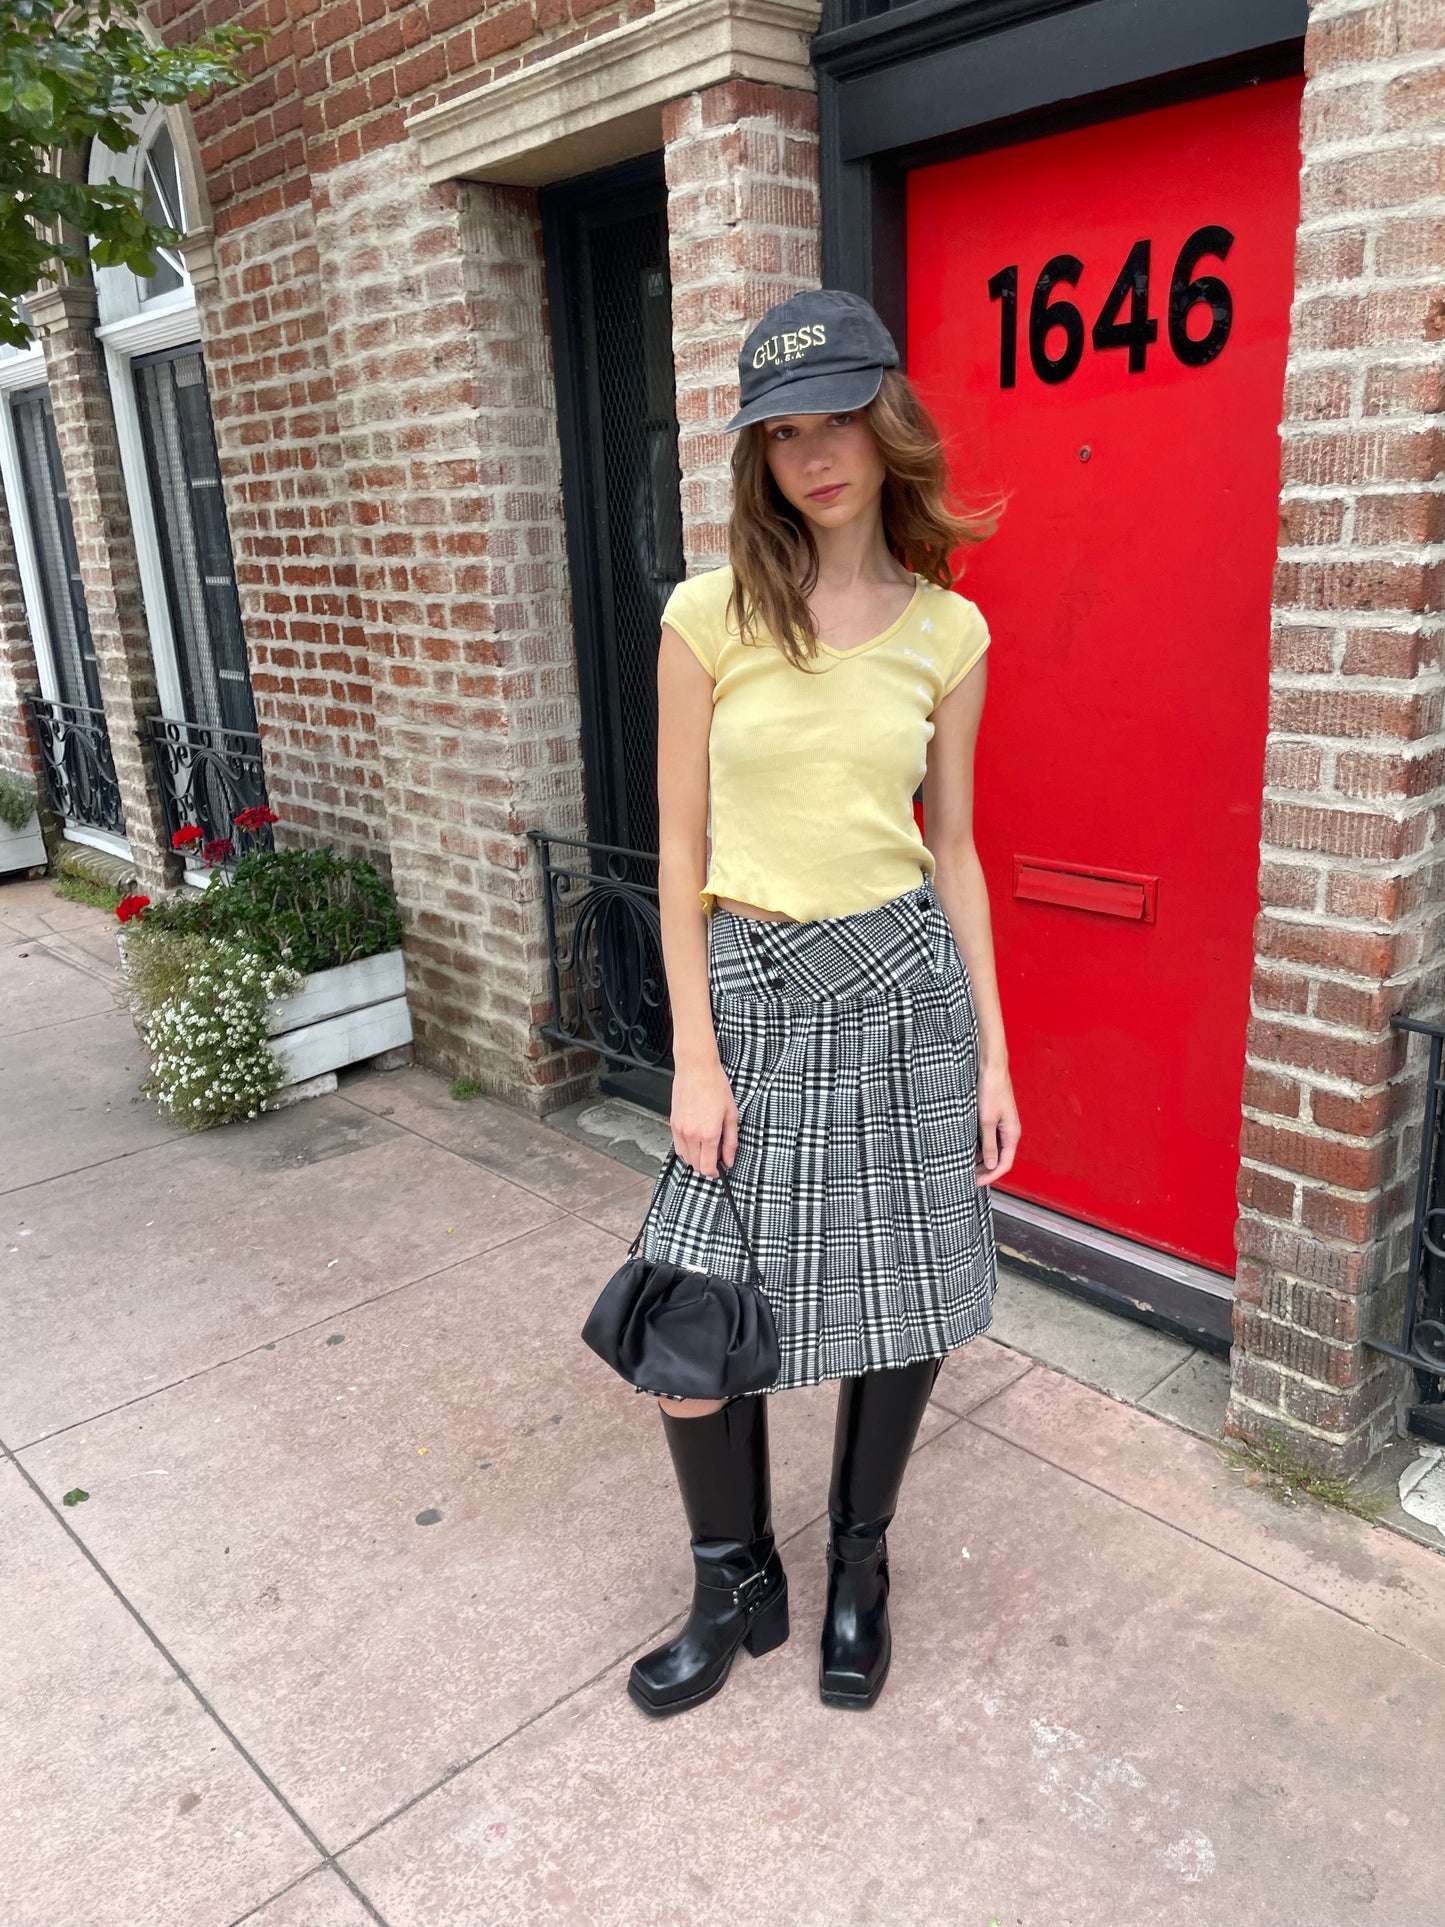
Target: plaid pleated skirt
851 1046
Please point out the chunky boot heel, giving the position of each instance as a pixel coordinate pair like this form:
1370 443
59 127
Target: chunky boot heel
857 1645
770 1627
879 1414
740 1591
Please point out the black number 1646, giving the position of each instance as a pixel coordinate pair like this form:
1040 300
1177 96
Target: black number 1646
1137 333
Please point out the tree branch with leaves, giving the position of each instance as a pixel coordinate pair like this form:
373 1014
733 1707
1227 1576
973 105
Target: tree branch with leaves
72 75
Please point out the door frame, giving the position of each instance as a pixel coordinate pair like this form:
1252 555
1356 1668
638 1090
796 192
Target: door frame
940 78
174 323
19 373
569 210
949 77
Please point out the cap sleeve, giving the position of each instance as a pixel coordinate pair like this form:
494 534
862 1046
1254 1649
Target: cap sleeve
690 610
969 640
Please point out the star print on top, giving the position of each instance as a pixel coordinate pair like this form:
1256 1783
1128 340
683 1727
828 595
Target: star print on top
812 771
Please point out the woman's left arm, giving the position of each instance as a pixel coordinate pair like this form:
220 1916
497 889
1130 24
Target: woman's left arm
959 882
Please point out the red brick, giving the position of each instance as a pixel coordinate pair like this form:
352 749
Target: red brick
1266 1091
1346 1166
1265 1192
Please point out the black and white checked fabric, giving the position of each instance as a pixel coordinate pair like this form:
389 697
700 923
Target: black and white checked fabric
851 1046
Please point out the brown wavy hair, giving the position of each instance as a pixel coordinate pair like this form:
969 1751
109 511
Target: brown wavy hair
770 543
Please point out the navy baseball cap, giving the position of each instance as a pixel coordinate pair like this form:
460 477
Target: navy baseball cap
815 354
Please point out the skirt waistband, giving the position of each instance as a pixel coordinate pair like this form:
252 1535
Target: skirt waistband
826 959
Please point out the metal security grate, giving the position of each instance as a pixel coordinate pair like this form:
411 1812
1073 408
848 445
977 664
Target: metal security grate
612 333
637 446
195 543
53 539
611 300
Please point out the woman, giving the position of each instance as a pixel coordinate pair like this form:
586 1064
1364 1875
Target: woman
835 1047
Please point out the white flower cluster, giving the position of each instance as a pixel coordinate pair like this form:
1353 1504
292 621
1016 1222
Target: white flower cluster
210 1062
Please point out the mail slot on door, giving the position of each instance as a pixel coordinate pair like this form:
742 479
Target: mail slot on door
1112 893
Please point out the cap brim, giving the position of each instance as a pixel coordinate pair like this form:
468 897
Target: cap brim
812 395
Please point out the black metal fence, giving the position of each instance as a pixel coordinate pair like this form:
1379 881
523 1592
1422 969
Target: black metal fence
1422 1336
604 950
80 778
206 777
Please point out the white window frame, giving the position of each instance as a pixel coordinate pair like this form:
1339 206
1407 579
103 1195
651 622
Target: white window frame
20 370
131 326
171 327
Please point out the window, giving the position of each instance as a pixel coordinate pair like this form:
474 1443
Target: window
53 538
195 543
161 180
153 166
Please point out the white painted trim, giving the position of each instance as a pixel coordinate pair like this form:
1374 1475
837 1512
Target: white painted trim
339 1041
330 993
117 289
163 323
32 593
602 100
105 840
23 849
124 340
26 559
24 368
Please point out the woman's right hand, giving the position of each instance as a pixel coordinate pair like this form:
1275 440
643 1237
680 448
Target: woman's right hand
704 1117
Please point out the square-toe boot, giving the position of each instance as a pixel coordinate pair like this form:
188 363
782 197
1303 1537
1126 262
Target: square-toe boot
740 1591
879 1414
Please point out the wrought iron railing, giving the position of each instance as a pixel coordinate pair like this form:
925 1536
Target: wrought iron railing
207 777
1422 1338
604 950
80 779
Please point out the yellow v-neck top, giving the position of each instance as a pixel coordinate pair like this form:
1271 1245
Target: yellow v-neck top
812 772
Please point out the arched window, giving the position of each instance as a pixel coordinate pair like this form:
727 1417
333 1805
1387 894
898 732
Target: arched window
151 165
161 179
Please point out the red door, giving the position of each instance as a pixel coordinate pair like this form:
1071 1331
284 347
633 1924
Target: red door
1099 320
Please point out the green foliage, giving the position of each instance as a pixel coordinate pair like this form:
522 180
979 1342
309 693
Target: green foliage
75 1496
465 1088
100 896
203 1007
17 795
1276 1466
310 909
158 965
70 75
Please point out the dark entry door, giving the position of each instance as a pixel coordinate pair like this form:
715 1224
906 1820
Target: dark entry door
611 301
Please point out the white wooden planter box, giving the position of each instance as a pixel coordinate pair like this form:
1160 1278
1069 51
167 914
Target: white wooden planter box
21 849
338 1017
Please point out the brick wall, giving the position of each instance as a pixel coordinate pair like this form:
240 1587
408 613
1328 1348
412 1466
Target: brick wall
743 232
263 325
1350 927
446 420
337 77
381 381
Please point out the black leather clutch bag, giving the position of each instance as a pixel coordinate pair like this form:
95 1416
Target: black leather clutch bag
671 1330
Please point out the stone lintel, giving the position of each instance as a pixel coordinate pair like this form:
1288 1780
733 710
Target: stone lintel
602 101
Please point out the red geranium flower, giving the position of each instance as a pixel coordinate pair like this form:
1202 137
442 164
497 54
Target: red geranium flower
130 907
183 837
256 818
217 850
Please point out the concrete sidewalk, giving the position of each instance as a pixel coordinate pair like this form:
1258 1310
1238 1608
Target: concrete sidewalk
341 1631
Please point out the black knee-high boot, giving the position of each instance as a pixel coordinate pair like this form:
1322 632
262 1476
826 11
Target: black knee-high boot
740 1591
879 1414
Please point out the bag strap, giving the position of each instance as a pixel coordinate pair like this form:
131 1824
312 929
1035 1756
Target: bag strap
666 1172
